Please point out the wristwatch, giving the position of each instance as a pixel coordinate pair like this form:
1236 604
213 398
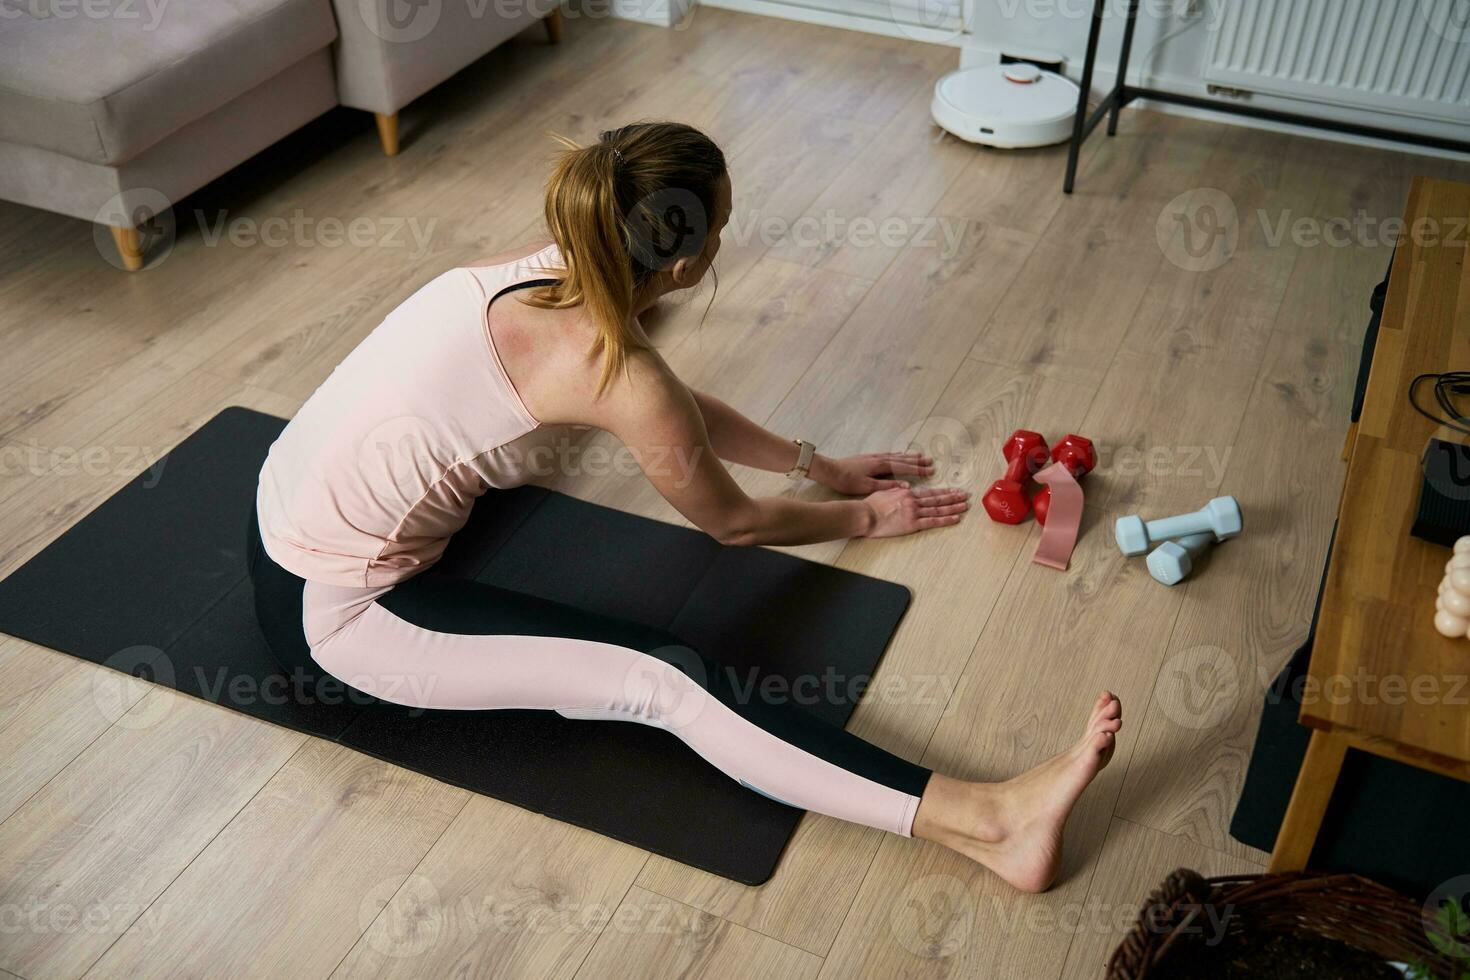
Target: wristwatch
803 459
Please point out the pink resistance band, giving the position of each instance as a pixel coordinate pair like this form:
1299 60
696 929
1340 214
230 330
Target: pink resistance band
1062 519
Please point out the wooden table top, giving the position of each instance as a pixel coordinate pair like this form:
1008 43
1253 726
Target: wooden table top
1380 672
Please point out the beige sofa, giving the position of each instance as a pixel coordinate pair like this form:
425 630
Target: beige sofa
389 52
118 108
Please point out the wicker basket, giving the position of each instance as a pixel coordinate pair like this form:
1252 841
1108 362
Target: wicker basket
1347 908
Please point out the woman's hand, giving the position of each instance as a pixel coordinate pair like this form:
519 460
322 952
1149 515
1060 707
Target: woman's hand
857 476
906 509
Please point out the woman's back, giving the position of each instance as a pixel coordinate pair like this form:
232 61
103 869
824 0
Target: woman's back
545 354
384 461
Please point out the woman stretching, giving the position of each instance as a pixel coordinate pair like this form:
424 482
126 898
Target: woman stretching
452 394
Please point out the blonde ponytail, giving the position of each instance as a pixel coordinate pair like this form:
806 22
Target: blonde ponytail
621 210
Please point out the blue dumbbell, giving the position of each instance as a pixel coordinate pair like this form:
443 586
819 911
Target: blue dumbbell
1220 517
1172 561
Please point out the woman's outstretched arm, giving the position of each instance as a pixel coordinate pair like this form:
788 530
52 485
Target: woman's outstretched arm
739 440
658 418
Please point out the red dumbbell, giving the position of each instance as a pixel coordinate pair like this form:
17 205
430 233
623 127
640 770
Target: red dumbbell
1076 453
1006 501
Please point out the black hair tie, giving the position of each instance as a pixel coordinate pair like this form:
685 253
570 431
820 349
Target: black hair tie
606 137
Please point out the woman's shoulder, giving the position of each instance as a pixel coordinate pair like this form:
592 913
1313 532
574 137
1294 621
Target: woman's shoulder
647 388
511 256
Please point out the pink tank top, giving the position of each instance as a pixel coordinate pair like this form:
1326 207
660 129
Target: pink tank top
384 461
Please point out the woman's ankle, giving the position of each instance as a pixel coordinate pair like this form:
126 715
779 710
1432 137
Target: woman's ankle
952 810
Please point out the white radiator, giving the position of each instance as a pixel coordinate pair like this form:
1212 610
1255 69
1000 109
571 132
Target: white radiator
1410 57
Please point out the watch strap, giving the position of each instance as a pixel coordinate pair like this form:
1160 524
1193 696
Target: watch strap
806 450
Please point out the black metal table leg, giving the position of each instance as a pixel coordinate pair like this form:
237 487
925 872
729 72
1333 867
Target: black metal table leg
1078 133
1122 82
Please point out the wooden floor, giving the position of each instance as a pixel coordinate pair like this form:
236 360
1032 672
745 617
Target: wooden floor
144 833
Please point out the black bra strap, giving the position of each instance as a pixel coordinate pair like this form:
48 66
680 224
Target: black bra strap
528 284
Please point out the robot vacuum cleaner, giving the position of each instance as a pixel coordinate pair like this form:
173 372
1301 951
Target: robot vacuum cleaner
1007 106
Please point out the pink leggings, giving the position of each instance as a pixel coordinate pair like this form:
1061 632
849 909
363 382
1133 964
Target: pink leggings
437 642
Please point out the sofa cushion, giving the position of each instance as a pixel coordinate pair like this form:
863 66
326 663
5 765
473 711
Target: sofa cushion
103 80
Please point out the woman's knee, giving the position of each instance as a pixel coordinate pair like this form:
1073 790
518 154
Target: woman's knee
684 658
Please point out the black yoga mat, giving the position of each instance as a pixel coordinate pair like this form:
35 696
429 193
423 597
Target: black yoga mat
153 582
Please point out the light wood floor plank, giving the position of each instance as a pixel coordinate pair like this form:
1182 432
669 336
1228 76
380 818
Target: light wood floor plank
1154 157
1013 188
925 912
652 936
504 893
85 856
826 857
1226 266
775 178
290 884
52 708
1074 299
897 180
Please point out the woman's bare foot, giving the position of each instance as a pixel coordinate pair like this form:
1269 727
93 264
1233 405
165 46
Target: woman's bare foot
1015 828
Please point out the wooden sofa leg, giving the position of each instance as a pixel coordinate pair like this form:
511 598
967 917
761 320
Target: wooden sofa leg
553 26
388 132
129 247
